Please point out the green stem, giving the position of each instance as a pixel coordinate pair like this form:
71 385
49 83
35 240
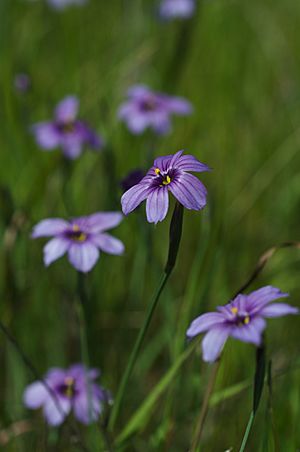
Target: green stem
247 432
174 241
135 351
204 408
79 306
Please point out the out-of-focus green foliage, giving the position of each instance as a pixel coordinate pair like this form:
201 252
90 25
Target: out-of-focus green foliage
239 64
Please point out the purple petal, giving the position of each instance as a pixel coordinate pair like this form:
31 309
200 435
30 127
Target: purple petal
66 111
55 376
162 162
251 332
278 310
179 106
189 191
49 227
137 122
171 9
72 143
83 256
175 158
203 323
87 410
90 137
190 163
61 4
160 122
55 415
108 244
79 371
46 135
55 249
126 109
138 91
157 205
134 196
213 342
259 298
35 395
102 221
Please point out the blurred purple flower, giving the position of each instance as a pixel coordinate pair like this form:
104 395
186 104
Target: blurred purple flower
22 82
62 4
168 173
66 131
132 178
242 318
172 9
75 390
148 109
81 238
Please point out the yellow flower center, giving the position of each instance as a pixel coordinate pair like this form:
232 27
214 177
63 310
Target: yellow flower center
166 180
69 387
77 234
68 127
241 320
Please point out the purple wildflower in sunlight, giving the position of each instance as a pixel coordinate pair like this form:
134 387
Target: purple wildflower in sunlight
168 173
62 4
74 390
243 319
148 109
172 9
65 131
81 238
132 178
22 82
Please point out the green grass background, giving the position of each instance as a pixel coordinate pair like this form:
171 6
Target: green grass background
239 64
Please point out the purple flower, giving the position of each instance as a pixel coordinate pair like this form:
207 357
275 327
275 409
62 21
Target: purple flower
22 82
65 131
148 109
81 238
172 9
132 178
62 4
242 318
168 173
75 390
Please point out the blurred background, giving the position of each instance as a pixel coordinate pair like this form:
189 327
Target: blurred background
239 65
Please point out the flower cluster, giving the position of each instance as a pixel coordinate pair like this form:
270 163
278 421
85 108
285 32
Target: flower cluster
75 390
63 391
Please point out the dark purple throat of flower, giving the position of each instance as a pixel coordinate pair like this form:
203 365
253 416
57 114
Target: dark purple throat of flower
163 177
67 388
240 318
149 104
76 234
66 127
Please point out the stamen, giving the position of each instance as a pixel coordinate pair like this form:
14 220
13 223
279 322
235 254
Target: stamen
77 234
69 390
167 180
157 171
234 310
246 320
